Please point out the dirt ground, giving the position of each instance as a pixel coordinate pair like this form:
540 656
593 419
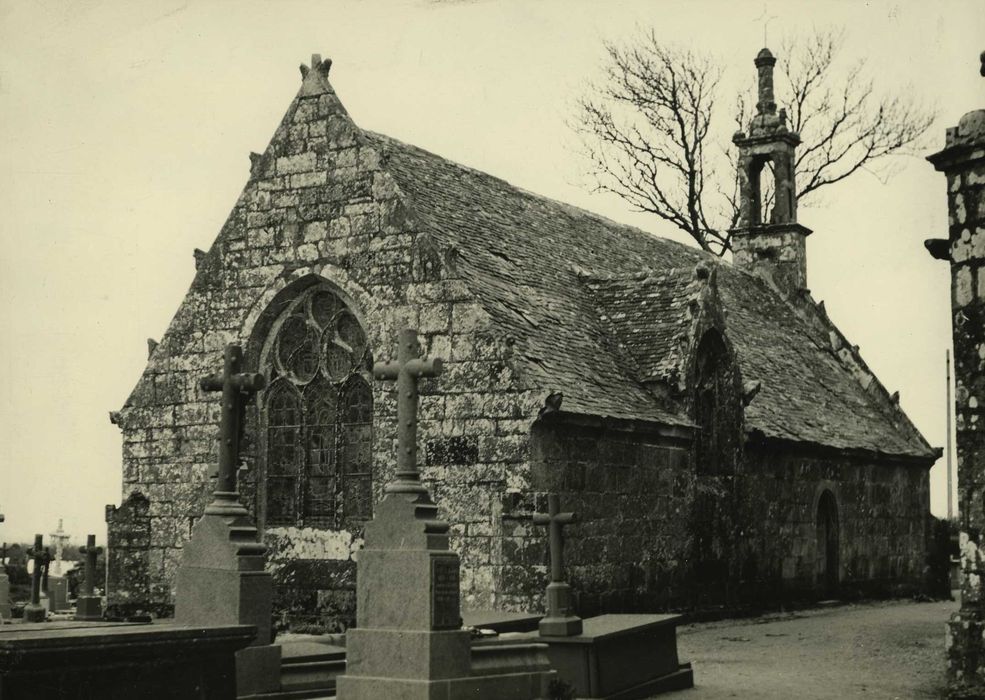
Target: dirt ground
874 650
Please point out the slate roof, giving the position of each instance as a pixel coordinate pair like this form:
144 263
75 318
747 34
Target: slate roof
598 307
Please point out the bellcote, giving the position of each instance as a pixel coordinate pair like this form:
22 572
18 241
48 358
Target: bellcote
770 243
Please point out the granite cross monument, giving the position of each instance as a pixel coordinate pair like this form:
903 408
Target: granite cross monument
89 606
222 579
560 620
34 611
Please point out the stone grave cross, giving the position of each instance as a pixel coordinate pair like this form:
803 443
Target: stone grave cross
237 388
4 582
34 611
91 551
407 369
89 606
560 621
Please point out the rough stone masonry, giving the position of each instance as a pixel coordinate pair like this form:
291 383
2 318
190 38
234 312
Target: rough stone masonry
963 162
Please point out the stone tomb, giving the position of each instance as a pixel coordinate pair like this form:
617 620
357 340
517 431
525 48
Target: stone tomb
611 657
408 642
119 661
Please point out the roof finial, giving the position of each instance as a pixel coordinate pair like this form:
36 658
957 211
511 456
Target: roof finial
764 64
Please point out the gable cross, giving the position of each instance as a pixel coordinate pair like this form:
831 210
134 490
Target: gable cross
237 389
91 551
406 370
560 620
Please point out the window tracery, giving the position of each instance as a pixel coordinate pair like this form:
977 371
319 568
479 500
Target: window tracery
318 415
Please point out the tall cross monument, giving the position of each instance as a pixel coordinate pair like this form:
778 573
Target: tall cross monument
408 640
221 579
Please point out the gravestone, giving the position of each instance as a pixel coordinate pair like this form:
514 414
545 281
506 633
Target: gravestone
408 641
609 657
89 606
221 579
34 611
4 583
57 594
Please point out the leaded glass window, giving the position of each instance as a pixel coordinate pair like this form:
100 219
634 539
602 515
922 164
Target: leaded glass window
318 414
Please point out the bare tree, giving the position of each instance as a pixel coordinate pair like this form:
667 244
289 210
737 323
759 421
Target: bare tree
648 132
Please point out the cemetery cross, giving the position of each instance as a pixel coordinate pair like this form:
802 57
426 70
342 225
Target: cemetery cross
555 520
406 370
237 388
559 621
91 551
33 612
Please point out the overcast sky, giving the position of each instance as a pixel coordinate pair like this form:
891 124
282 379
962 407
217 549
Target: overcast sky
125 130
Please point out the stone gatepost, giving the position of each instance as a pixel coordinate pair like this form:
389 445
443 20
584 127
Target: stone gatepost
963 162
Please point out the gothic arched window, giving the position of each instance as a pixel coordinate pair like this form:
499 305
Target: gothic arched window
317 416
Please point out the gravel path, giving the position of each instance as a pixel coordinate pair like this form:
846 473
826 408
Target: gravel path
885 650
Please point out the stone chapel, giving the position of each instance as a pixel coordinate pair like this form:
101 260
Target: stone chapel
721 440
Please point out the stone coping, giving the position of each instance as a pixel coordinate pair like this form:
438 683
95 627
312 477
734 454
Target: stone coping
501 621
604 627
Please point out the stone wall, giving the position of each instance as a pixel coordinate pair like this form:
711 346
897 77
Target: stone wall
883 522
655 534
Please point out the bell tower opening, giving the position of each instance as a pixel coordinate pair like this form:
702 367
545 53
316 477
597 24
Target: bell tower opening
767 238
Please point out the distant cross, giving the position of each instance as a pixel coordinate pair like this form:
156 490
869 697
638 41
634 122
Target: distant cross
91 551
555 521
47 566
59 538
766 18
237 389
408 368
40 555
3 551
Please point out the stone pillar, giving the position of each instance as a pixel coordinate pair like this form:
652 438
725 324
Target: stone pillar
4 583
963 162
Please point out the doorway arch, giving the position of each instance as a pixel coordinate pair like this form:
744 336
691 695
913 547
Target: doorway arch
827 567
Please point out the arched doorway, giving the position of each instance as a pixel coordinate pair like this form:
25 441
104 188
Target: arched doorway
827 566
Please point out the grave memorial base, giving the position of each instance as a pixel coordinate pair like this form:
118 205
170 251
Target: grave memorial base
620 657
89 608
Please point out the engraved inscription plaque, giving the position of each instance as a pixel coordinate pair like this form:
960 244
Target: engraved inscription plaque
445 613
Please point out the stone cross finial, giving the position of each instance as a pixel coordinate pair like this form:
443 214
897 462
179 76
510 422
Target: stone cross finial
237 388
560 621
33 612
91 551
407 369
